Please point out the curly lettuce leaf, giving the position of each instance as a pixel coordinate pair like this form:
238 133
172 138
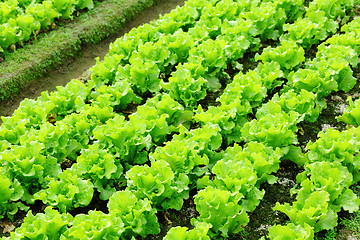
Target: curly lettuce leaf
181 157
288 54
238 177
123 140
12 192
351 114
310 30
48 225
29 165
100 167
200 232
332 8
312 208
94 225
335 146
137 215
159 184
221 210
186 87
305 103
291 231
67 191
276 130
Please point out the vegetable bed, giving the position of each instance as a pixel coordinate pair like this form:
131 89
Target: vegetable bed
61 42
188 124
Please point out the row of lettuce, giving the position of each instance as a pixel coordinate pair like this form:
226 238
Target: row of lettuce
22 19
165 69
323 188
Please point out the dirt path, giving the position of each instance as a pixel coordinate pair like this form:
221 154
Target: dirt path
80 65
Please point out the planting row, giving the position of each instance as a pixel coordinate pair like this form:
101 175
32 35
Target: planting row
127 157
324 186
21 19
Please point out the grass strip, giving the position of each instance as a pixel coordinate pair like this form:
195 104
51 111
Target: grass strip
51 49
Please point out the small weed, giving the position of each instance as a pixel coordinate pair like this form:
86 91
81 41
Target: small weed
329 235
352 223
244 234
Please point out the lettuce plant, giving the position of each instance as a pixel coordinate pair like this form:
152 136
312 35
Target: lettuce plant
137 215
276 130
123 140
12 192
99 166
335 146
159 117
220 208
184 87
238 177
48 225
288 54
94 225
159 184
200 232
67 191
310 30
29 166
305 103
351 114
291 231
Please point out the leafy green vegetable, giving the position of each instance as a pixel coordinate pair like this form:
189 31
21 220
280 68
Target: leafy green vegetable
288 54
239 98
311 30
268 19
305 103
137 215
119 95
331 177
65 8
312 208
165 70
20 20
159 184
183 87
48 225
221 210
265 160
68 99
335 146
94 225
181 155
67 192
123 140
332 8
99 166
336 69
12 191
291 231
276 129
43 12
309 80
31 168
182 233
351 114
239 178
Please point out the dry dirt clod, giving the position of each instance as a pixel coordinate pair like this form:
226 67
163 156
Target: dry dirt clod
7 226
